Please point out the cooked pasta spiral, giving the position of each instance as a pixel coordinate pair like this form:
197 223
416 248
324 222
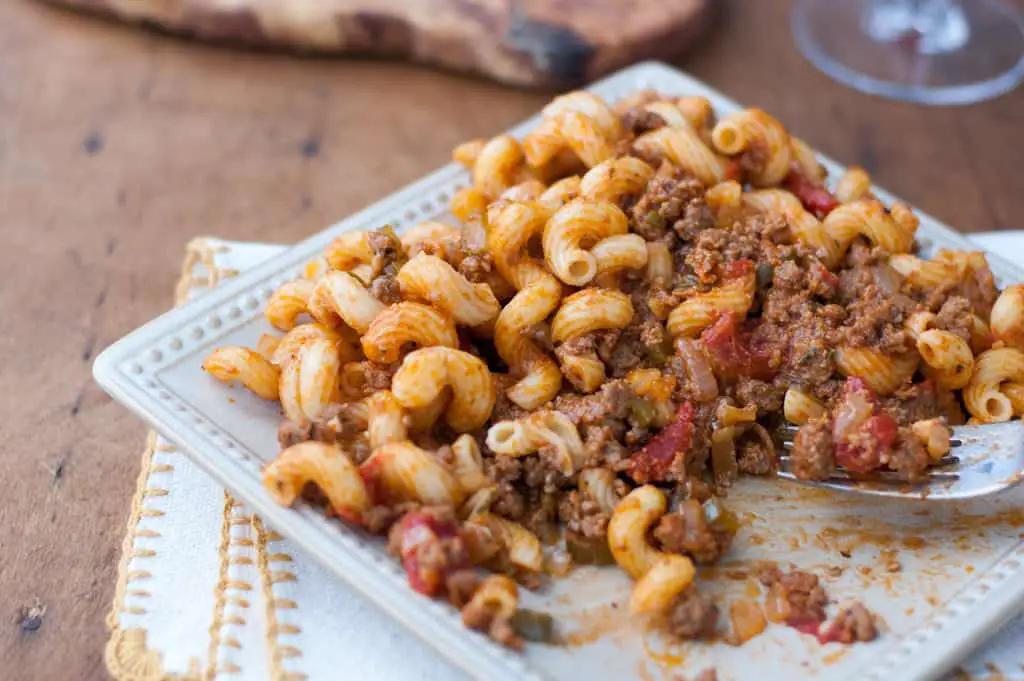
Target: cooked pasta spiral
754 129
327 467
309 382
892 231
570 229
407 323
538 296
697 313
249 368
684 148
431 279
426 373
984 394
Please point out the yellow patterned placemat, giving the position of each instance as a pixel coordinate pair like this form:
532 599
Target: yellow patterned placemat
141 602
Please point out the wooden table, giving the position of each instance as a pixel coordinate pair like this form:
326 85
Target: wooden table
118 146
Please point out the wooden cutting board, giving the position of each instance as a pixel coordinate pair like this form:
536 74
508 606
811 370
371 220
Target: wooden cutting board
529 43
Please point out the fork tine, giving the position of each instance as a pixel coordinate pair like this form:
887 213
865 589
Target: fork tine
788 432
888 476
948 460
935 472
989 459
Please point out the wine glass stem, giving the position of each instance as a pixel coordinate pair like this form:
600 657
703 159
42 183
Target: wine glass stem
924 26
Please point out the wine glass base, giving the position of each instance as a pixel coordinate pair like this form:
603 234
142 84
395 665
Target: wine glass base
965 53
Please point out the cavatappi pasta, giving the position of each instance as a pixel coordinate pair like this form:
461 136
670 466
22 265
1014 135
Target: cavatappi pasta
632 300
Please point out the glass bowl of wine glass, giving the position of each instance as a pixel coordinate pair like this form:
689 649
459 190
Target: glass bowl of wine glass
926 51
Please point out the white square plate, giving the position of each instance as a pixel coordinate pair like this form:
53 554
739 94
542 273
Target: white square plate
961 565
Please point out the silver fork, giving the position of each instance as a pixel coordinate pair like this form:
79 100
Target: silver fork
983 460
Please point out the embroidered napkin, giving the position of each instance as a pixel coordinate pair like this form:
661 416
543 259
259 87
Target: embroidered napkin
206 592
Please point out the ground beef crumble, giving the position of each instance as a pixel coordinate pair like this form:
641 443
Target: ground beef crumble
686 530
504 408
607 406
814 451
542 510
753 160
920 401
431 547
956 316
622 350
378 376
387 251
804 597
692 615
908 457
385 289
639 120
506 472
875 319
482 618
700 444
854 624
582 516
602 447
664 202
339 424
295 432
766 396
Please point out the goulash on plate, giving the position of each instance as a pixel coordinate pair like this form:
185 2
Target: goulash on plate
634 300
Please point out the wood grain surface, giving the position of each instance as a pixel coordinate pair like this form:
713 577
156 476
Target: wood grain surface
118 146
532 43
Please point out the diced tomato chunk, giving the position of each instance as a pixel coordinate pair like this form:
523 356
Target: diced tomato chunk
733 170
369 471
735 269
863 431
805 626
733 351
816 199
654 461
418 530
414 519
721 340
883 428
863 449
832 634
858 459
828 278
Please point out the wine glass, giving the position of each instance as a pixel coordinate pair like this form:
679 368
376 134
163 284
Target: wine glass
925 51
